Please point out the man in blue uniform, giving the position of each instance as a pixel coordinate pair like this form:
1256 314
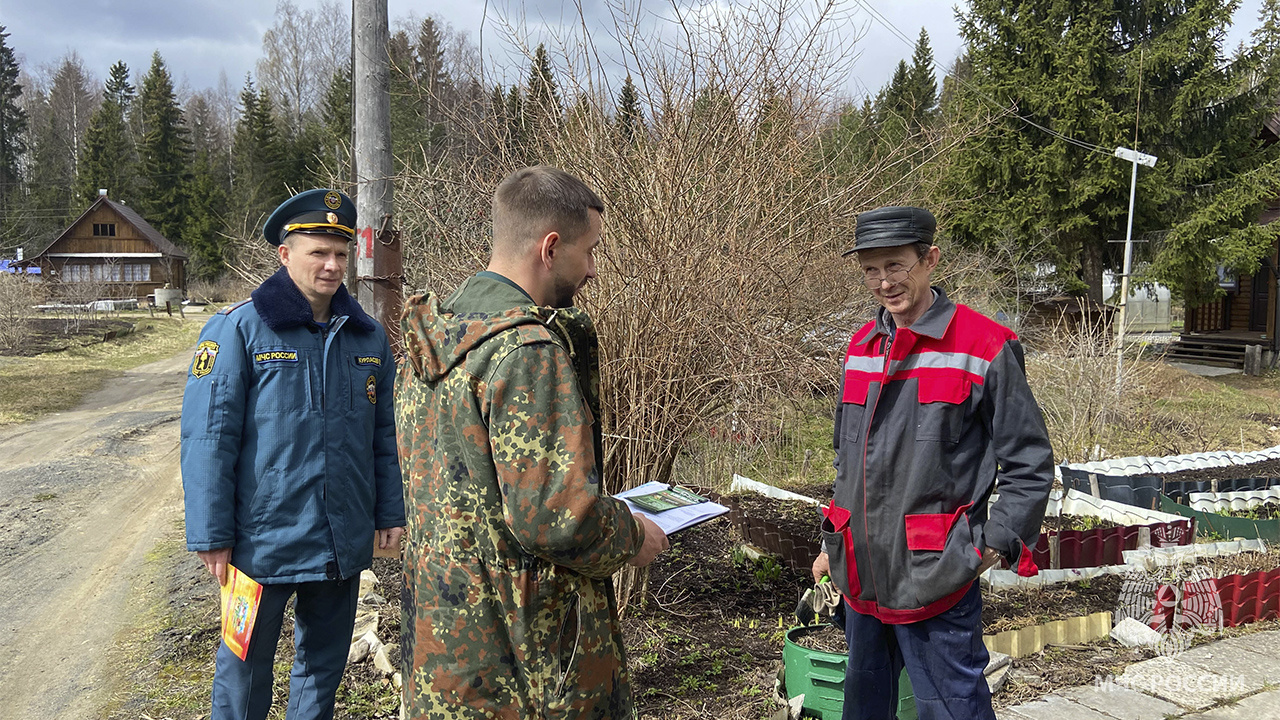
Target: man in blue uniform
289 457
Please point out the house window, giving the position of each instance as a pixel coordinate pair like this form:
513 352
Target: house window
104 229
137 273
75 273
106 273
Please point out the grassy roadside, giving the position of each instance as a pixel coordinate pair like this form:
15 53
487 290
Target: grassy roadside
31 387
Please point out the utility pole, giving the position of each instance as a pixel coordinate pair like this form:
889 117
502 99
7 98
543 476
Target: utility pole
1137 159
379 265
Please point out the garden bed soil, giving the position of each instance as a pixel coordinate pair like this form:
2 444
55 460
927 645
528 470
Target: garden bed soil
1011 609
1074 522
706 642
1266 468
56 334
797 517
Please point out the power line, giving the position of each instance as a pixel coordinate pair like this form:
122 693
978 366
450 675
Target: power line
880 18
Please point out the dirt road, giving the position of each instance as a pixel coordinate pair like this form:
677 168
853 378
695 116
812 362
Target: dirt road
84 495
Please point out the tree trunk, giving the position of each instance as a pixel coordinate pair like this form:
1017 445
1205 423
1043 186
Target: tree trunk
1091 269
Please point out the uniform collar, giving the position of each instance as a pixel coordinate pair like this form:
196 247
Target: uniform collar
281 305
933 323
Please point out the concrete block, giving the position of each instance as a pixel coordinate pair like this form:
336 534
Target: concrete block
1191 687
1263 643
1120 702
1251 670
1131 633
1054 707
1263 706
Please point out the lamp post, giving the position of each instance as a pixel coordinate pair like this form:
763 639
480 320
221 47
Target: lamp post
1137 159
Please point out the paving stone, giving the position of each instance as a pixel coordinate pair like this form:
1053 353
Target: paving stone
1250 670
1121 702
1191 687
1263 706
1263 643
1053 707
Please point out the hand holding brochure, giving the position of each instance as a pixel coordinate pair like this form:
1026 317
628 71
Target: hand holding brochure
240 598
672 508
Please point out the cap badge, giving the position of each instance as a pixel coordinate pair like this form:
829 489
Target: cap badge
332 200
332 218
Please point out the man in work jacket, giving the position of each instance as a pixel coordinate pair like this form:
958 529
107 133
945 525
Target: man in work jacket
508 609
935 414
289 461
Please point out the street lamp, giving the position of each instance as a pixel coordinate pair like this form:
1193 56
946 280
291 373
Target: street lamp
1137 159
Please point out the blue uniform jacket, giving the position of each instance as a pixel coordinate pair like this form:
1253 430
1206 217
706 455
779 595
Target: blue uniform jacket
288 437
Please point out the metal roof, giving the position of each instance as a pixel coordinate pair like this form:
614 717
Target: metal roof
161 243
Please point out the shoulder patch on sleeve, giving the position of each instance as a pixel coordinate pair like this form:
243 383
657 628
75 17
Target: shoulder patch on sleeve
202 362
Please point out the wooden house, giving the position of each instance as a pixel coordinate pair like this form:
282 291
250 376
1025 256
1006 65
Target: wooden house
111 252
1217 332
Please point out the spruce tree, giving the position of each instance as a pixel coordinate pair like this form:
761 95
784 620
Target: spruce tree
13 124
203 233
433 78
336 108
630 117
257 153
107 156
542 108
1080 69
164 151
921 83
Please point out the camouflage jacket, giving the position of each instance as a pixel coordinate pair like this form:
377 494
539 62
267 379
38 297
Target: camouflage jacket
508 609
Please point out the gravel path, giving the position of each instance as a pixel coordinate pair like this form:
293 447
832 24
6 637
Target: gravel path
84 495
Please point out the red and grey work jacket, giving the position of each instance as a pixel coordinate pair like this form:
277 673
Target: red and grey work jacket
932 419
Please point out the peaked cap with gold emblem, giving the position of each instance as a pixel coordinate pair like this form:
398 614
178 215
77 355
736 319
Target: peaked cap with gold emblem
317 212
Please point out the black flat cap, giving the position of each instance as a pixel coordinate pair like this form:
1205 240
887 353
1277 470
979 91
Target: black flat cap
891 227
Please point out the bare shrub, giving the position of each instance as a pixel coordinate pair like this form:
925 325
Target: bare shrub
721 292
230 287
1087 401
17 295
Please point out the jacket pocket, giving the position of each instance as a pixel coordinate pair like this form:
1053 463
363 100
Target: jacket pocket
566 647
265 498
837 541
853 408
943 556
282 379
929 531
942 408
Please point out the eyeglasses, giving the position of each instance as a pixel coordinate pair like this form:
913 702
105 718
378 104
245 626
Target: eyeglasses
874 280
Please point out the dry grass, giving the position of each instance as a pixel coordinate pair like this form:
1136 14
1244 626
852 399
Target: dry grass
31 387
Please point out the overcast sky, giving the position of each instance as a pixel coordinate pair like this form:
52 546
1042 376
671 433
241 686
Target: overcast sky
200 39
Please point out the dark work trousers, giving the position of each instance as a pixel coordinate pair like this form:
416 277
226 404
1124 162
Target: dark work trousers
944 657
324 616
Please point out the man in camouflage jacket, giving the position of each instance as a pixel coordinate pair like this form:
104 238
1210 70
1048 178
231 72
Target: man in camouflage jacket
508 609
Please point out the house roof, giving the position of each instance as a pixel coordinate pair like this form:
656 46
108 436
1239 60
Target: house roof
161 243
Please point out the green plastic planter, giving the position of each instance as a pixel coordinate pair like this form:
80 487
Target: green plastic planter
819 676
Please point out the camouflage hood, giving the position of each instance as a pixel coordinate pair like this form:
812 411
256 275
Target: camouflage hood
438 335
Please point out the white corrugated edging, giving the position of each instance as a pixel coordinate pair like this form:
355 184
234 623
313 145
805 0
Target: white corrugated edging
1192 461
1140 560
1082 504
1247 458
1118 466
1233 501
1142 465
746 484
1150 558
1003 579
